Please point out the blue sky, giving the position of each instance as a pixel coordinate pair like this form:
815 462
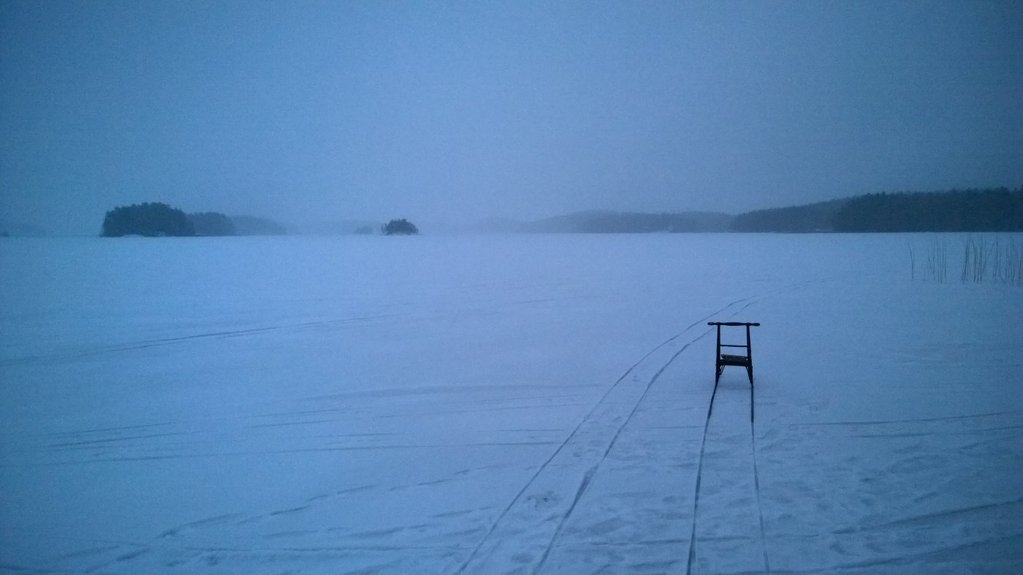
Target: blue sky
455 111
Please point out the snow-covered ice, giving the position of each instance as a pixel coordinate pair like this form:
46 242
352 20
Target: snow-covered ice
503 404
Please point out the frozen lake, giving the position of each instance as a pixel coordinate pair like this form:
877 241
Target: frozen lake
497 404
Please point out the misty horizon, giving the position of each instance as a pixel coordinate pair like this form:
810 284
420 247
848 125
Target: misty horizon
320 112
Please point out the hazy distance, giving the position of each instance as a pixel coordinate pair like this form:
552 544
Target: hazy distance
452 112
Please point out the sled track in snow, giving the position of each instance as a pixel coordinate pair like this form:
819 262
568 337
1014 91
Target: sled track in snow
756 484
699 473
590 473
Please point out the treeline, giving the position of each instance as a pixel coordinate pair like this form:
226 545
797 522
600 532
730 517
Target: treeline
989 210
600 222
154 219
998 210
819 217
995 210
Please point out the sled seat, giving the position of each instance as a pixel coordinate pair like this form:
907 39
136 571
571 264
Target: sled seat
721 360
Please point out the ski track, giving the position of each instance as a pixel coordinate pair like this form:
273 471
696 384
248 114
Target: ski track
177 548
592 471
185 339
119 554
589 475
125 436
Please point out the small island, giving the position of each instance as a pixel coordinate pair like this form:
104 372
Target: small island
400 227
150 219
157 219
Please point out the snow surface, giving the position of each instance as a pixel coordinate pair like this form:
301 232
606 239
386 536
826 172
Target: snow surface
512 404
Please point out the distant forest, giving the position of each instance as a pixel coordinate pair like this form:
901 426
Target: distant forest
991 210
158 219
973 210
998 210
632 223
817 217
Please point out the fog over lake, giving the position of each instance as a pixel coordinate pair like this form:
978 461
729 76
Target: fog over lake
334 372
446 113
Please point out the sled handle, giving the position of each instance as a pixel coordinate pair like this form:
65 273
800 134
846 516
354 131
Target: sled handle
734 323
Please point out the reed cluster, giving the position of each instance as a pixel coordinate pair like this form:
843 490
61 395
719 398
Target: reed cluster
983 259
